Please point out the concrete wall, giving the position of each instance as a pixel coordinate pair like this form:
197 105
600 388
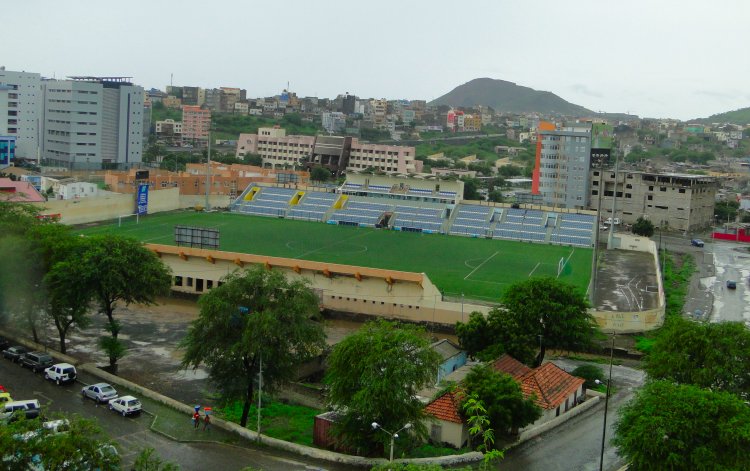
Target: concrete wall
113 205
638 321
409 297
110 206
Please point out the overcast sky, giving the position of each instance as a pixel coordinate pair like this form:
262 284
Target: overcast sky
655 58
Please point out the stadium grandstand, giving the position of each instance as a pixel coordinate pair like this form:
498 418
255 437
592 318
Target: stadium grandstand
408 204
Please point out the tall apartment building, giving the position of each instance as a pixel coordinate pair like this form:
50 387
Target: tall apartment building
193 96
92 121
196 123
669 200
563 162
337 153
21 110
7 150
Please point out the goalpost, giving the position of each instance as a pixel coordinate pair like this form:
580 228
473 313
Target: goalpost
119 218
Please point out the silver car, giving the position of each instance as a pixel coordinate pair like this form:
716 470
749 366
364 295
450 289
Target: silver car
100 392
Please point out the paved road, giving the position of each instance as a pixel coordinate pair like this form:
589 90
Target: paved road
576 445
731 262
133 434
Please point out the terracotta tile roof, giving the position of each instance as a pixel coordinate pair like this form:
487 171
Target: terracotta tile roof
509 365
446 407
550 384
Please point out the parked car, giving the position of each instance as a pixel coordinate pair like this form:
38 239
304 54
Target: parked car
61 373
697 243
37 361
5 397
731 284
100 392
125 405
28 407
15 353
4 343
610 221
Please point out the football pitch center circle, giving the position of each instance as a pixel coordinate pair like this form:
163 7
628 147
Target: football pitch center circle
342 247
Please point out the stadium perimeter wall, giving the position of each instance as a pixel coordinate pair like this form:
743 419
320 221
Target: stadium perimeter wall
111 206
360 290
638 321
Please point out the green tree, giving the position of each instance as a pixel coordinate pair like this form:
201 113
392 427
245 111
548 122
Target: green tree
320 174
590 373
23 295
545 312
68 305
690 353
116 269
374 376
148 460
502 398
643 227
495 196
254 315
726 211
25 444
253 159
479 335
470 188
667 426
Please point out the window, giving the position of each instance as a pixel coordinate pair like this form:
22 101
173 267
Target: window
178 281
650 197
190 281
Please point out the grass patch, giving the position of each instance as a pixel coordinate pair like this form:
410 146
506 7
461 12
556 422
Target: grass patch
644 344
429 450
677 273
480 268
594 359
287 422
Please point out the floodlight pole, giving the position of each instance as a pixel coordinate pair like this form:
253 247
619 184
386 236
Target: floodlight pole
208 168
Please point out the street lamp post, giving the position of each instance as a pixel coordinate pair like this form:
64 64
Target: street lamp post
606 403
394 435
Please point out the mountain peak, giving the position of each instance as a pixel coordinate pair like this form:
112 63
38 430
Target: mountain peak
509 97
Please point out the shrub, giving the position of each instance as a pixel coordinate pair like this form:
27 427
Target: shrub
590 373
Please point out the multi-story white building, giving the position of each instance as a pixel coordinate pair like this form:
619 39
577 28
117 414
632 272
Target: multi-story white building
92 121
275 147
21 110
169 127
279 150
333 121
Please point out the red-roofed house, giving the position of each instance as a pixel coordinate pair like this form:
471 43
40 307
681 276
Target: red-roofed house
18 192
555 392
448 425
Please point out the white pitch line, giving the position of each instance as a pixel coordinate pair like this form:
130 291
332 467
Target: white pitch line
481 264
532 271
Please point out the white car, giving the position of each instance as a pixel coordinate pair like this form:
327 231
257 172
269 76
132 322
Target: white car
125 405
61 373
100 392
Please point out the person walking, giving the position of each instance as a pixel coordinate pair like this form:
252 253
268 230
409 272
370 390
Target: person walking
196 417
207 421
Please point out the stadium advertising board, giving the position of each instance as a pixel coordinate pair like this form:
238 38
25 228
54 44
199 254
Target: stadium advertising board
202 237
141 199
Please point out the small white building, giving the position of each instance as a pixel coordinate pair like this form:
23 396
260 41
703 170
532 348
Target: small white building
70 188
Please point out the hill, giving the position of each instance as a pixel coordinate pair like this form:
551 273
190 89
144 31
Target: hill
740 116
508 97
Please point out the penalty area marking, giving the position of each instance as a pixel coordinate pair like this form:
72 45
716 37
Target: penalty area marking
481 265
532 271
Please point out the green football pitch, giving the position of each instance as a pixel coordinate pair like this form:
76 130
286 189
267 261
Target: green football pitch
479 268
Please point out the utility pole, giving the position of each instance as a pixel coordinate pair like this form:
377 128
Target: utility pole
614 206
260 393
606 403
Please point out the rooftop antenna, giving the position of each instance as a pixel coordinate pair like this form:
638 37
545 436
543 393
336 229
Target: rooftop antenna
171 77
